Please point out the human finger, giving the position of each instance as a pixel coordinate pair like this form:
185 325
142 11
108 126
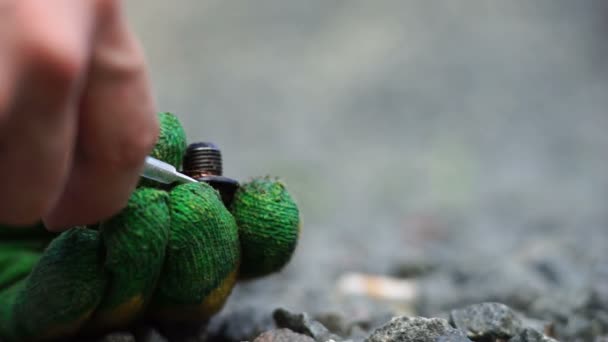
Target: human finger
39 117
117 127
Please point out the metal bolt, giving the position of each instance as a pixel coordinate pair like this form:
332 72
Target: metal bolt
203 162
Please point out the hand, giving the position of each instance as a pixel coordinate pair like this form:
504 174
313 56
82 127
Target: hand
76 113
171 255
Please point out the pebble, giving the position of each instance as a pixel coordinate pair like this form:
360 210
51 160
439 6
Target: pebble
302 323
283 335
487 320
243 324
417 329
350 326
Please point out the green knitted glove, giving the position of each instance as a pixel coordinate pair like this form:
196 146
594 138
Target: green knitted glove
173 254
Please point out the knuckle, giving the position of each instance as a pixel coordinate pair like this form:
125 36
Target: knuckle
127 65
58 62
53 55
125 61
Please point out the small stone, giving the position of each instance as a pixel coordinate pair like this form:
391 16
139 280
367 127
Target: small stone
417 329
357 328
303 324
243 324
486 320
545 327
531 335
283 335
334 322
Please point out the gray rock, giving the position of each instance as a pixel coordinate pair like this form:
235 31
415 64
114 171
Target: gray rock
560 305
531 335
416 329
334 322
486 320
578 314
354 328
243 324
546 327
283 335
303 324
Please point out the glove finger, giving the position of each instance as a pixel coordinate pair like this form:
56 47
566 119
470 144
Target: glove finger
8 322
20 249
135 242
117 125
269 225
71 270
202 258
170 146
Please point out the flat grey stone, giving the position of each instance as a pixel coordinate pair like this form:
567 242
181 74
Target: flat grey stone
487 320
416 329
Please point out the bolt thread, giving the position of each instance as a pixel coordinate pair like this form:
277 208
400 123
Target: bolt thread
203 158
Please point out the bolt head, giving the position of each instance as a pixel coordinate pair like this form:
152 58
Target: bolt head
203 162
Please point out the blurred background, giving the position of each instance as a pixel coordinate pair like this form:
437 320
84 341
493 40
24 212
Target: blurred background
465 138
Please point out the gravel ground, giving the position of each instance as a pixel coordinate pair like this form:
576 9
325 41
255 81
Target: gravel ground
458 145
